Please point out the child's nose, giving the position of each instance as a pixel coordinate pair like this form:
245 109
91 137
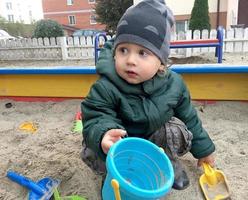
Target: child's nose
131 59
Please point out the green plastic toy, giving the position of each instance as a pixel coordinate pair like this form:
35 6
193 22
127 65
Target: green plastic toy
77 126
56 196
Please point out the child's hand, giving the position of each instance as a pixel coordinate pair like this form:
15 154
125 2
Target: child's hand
208 159
111 137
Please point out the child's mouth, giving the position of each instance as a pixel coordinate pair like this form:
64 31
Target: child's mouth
131 73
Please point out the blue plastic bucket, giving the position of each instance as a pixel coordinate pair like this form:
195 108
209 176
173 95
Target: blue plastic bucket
141 168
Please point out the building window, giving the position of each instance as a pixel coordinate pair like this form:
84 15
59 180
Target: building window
30 16
91 1
92 19
20 19
181 26
30 13
72 20
11 18
19 8
9 6
69 2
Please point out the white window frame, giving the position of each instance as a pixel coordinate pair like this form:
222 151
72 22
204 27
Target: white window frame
20 18
9 5
91 1
69 2
11 18
71 17
93 18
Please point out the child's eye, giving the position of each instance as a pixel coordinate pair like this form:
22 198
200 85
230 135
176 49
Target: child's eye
143 53
123 50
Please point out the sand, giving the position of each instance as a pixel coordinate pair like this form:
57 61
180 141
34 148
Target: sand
54 150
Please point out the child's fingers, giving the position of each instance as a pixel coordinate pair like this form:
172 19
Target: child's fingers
111 137
208 159
118 133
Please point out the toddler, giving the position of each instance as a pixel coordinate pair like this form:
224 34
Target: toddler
136 94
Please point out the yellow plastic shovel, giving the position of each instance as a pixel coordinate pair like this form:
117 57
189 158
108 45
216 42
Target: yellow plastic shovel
214 184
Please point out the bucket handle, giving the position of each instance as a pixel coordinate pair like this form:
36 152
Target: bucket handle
115 185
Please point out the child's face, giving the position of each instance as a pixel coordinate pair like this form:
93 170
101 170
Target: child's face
135 64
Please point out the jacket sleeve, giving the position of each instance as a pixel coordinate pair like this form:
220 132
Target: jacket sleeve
202 145
99 116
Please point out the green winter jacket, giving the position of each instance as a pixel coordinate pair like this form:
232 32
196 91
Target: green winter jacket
139 109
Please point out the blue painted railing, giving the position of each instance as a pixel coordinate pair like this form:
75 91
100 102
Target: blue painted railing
182 69
218 44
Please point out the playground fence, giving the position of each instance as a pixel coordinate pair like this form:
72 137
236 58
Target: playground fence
78 48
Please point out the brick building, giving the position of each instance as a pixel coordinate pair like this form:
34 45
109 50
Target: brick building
27 11
72 14
226 13
243 16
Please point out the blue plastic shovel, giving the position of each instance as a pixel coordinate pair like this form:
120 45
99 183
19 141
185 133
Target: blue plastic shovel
43 189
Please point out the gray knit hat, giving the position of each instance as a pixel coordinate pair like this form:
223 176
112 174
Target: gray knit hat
147 24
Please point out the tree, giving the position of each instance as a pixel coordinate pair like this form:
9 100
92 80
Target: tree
2 19
199 16
110 11
48 28
16 29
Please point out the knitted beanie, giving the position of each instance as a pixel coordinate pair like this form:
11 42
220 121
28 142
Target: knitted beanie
147 24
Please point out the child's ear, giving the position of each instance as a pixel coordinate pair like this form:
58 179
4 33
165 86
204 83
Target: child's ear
162 67
162 71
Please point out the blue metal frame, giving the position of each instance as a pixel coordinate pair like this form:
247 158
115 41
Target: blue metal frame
96 44
218 45
219 49
65 70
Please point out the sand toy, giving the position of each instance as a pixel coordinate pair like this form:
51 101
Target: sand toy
214 184
56 196
42 189
137 170
77 124
78 116
29 127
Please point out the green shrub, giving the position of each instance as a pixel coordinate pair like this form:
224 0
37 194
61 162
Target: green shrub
48 28
199 16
